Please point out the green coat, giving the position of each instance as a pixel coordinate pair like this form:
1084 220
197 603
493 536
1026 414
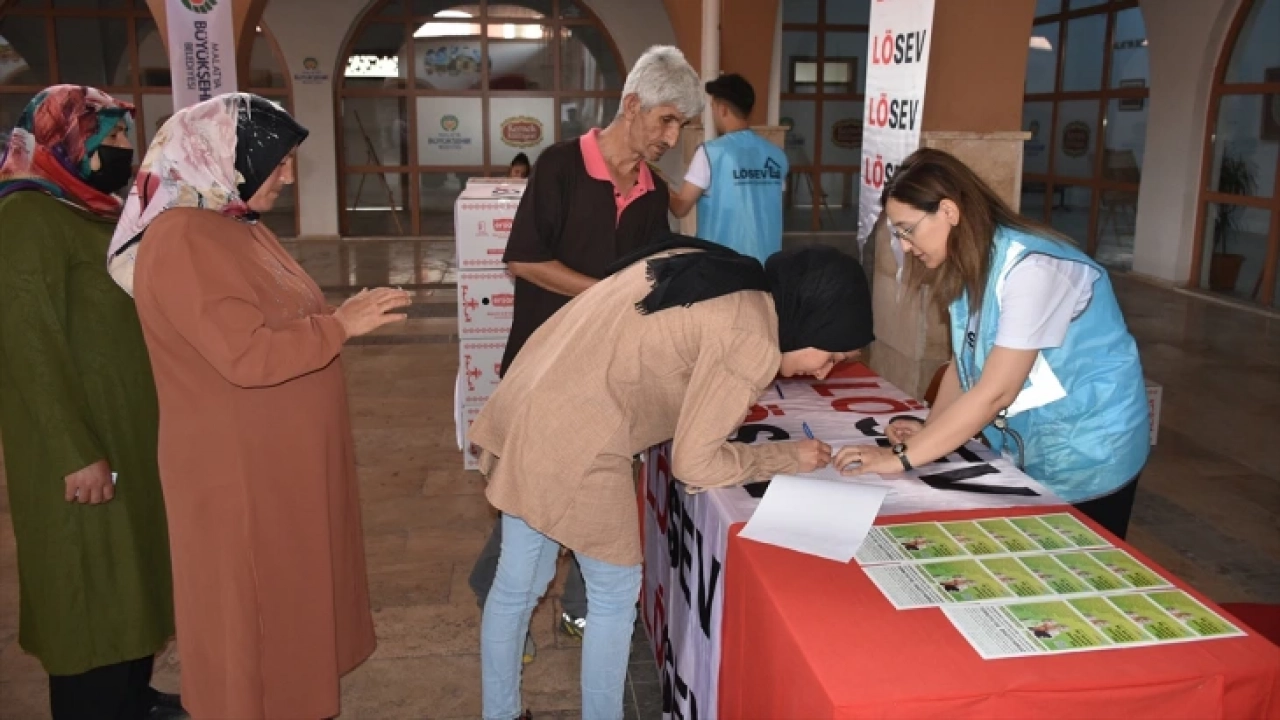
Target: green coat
75 387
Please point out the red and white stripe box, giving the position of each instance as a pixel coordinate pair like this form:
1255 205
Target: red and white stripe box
482 218
470 455
479 361
486 303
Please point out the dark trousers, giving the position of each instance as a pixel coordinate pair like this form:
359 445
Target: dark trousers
574 600
1113 511
113 692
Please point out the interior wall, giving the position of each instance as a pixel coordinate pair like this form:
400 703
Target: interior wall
1184 43
747 29
978 64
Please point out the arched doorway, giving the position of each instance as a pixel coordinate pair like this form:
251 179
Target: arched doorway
114 45
433 92
1238 223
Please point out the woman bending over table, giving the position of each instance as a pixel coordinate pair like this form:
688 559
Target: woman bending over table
678 344
1043 364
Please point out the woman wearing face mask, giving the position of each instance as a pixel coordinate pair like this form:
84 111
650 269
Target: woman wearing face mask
679 344
1044 366
78 415
255 440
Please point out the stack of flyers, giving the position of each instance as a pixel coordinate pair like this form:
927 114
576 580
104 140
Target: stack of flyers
1087 623
977 538
932 583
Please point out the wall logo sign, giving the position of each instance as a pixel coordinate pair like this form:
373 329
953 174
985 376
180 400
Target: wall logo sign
1075 139
200 7
847 134
449 137
311 74
522 131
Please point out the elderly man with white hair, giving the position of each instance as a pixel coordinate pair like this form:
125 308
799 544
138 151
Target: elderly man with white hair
589 202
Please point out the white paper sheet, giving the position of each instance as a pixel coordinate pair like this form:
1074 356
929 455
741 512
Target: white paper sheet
816 517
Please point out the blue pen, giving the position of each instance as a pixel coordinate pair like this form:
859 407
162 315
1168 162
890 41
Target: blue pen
807 432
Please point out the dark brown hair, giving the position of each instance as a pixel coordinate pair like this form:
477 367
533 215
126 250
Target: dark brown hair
923 181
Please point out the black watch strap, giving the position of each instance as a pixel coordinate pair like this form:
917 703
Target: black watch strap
901 451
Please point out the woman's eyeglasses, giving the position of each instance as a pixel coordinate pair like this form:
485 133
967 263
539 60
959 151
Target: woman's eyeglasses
905 233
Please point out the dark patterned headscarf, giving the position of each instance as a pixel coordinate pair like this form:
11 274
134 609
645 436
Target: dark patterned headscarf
56 137
212 155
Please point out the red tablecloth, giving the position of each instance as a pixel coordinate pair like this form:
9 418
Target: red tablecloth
807 638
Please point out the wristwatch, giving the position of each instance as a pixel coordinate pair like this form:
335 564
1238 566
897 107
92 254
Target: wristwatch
901 451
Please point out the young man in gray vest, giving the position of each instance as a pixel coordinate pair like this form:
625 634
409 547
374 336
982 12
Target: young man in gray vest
736 180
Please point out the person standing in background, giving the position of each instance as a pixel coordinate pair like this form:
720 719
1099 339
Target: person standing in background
590 201
78 416
519 166
736 180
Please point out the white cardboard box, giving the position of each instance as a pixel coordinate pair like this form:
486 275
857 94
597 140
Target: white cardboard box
1155 393
470 457
482 218
479 361
486 303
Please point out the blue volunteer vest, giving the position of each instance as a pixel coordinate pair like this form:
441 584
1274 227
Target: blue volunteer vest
743 207
1082 413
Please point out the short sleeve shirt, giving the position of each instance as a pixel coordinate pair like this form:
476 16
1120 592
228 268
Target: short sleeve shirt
1040 297
571 214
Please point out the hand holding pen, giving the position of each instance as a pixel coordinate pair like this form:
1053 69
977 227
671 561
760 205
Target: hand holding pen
813 454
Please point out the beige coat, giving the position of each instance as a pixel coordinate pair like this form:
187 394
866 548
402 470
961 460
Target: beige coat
599 383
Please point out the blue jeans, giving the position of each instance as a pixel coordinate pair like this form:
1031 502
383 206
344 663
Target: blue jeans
525 569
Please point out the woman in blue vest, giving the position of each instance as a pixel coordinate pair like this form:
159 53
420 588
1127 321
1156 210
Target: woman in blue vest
1043 364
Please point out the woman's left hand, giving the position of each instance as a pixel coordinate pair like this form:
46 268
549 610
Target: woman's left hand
873 459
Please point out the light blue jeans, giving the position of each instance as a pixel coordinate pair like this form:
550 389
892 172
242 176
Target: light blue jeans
525 569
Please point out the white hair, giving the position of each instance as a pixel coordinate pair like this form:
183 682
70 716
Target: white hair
663 77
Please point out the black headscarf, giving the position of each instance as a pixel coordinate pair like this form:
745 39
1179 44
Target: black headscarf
682 280
821 294
265 134
822 299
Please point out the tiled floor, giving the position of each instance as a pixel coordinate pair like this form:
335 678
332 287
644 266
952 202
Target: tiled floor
1208 507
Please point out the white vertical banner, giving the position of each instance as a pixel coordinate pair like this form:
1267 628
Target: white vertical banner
898 66
686 541
202 50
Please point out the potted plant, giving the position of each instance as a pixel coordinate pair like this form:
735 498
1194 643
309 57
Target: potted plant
1235 177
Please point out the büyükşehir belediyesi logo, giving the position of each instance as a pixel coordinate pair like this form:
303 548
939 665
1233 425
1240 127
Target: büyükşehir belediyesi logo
200 6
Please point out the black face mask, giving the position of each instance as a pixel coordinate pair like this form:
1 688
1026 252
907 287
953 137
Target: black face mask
114 171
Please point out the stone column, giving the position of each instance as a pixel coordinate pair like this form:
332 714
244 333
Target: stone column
973 110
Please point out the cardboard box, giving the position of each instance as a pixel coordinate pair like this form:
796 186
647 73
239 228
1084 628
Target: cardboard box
1155 394
486 303
479 361
470 457
482 218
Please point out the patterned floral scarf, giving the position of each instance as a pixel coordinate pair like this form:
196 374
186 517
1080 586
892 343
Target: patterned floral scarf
51 148
211 155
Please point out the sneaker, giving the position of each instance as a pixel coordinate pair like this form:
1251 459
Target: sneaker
530 649
572 626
